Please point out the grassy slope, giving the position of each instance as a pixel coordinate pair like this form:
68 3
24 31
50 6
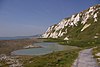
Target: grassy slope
75 32
55 59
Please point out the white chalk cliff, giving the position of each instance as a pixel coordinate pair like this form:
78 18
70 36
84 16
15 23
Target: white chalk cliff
80 22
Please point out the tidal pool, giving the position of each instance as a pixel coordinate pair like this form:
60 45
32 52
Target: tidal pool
47 47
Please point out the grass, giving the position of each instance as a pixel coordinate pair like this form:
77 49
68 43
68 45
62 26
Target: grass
79 43
55 59
84 39
3 64
61 58
82 44
95 51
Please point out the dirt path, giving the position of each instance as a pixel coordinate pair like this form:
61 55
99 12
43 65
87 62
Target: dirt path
85 59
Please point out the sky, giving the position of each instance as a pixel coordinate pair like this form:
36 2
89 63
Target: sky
31 17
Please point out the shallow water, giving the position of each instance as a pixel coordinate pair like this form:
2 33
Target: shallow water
47 47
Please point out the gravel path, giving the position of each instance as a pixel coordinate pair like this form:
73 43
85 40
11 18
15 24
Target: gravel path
85 59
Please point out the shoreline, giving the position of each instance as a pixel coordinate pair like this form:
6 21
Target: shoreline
7 46
26 60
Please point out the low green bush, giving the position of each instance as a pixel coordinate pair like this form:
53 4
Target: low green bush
55 59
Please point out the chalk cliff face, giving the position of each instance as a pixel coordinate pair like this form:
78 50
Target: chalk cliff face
83 25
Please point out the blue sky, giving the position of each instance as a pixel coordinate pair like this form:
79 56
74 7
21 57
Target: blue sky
30 17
